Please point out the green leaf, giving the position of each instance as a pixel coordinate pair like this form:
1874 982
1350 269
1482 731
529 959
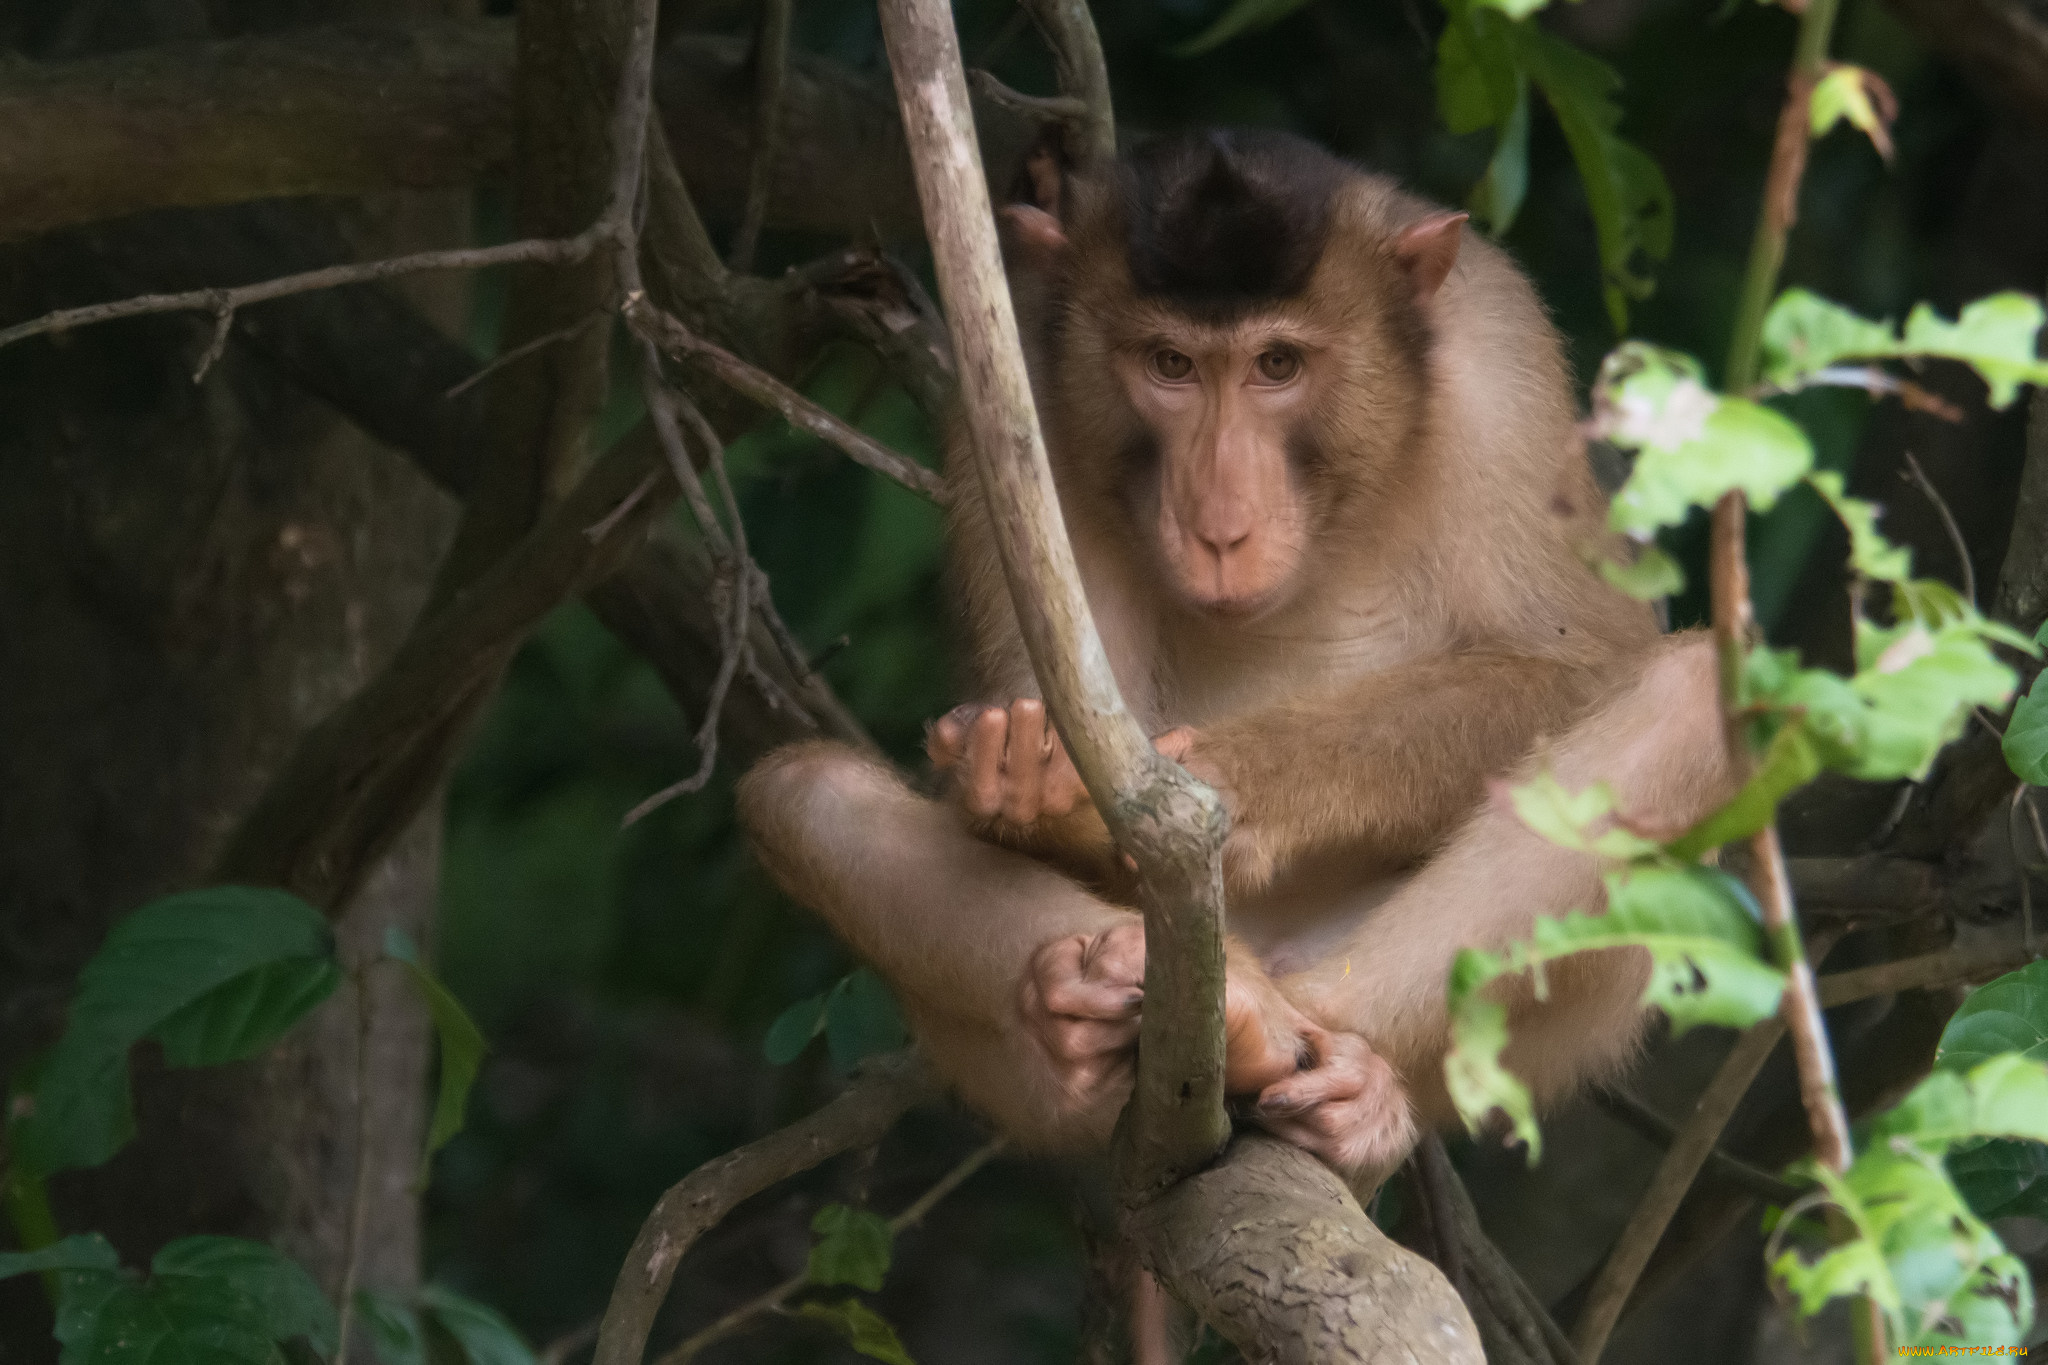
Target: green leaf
1845 94
1996 336
2026 736
207 1300
1514 9
462 1042
793 1030
1480 85
861 1019
1870 553
483 1333
1694 445
1653 575
1582 821
2005 1096
852 1247
1706 967
1917 687
216 975
89 1251
396 1333
1243 16
1791 761
2003 1178
2008 1015
863 1328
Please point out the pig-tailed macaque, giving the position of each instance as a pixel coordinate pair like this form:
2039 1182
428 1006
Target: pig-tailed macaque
1315 444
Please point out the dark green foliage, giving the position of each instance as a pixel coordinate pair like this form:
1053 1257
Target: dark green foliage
852 1248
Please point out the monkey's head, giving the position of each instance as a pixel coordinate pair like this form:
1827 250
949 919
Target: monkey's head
1233 346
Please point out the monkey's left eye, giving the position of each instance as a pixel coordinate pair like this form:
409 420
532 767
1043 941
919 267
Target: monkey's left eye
1171 365
1277 367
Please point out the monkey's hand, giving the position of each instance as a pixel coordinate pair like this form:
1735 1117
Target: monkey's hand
1324 1091
1080 999
1017 784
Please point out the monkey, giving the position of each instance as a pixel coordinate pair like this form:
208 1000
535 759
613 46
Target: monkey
1316 447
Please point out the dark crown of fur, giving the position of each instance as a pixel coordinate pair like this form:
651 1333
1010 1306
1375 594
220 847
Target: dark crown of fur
1224 220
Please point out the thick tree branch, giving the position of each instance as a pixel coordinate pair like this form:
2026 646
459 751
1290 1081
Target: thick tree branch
1069 31
199 124
862 1113
1170 824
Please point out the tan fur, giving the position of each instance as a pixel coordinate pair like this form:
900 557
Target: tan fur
1436 628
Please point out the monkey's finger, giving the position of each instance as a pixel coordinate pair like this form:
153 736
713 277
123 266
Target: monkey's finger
1024 761
983 774
1080 1040
1063 792
1079 998
945 740
1116 957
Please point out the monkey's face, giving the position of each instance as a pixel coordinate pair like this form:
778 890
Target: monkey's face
1227 411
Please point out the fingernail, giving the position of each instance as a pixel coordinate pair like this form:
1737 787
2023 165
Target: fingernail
1276 1104
1134 997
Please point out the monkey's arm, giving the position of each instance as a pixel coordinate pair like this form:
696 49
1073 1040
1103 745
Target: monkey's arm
1386 763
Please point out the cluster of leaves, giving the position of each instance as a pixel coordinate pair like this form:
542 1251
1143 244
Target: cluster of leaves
853 1247
857 1015
212 976
1906 1224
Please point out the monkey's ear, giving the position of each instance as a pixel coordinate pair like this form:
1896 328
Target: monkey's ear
1427 250
1034 236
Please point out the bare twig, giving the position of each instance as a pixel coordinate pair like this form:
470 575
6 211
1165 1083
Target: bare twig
1917 476
771 69
1626 1109
1062 109
672 337
1688 1151
865 1110
1950 967
773 1299
1082 74
501 360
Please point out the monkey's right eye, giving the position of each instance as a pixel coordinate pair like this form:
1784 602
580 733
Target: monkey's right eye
1171 365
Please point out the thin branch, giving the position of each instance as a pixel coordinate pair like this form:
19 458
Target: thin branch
771 72
1917 476
773 1299
1929 971
1433 1174
519 352
1514 1324
1060 109
669 334
558 1351
868 1107
1735 625
1646 1122
1674 1176
1077 63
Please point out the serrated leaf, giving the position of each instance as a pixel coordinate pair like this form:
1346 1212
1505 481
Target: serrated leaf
861 1019
1790 762
864 1329
793 1030
2026 736
1243 16
852 1246
1694 445
2008 1015
2005 1096
462 1043
1706 968
1870 553
89 1251
1918 687
216 974
1583 821
1996 336
482 1332
207 1300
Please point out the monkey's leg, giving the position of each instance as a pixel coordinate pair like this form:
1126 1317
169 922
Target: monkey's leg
1658 742
1021 987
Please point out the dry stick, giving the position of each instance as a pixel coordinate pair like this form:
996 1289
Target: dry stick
862 1113
671 336
1734 619
504 358
773 1299
1171 825
1688 1152
1062 109
771 72
1917 476
1631 1112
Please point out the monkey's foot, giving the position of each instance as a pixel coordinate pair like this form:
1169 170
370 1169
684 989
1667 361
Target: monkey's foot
1349 1108
1081 999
